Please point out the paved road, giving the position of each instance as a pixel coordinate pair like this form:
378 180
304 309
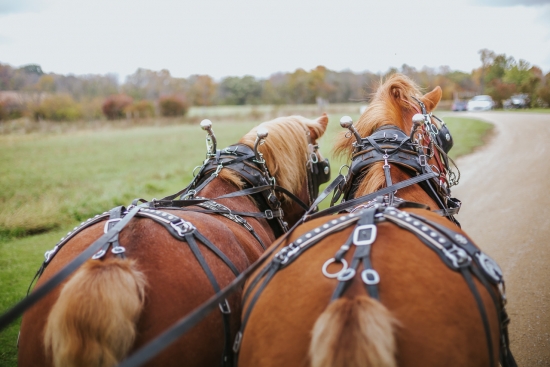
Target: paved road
506 210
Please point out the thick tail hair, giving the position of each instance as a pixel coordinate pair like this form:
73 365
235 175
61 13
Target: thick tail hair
93 321
352 333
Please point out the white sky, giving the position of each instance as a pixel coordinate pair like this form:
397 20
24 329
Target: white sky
261 37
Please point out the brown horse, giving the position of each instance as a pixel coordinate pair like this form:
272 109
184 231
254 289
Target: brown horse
112 306
425 314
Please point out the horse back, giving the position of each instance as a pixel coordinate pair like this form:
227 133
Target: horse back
438 322
176 285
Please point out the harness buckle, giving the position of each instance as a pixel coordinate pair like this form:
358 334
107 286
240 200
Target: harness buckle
118 250
237 343
364 235
189 195
457 256
186 227
370 277
422 160
106 227
346 274
224 307
99 254
269 214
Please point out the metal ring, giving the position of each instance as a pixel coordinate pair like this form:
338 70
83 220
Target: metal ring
334 275
341 167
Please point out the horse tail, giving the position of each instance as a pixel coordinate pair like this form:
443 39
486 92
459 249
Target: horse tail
354 332
93 322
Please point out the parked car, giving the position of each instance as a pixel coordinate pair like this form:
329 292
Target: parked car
517 101
459 105
481 103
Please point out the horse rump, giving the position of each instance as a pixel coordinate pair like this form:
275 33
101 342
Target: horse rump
354 332
93 321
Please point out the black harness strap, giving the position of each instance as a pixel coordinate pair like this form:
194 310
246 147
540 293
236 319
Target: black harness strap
360 200
481 307
224 307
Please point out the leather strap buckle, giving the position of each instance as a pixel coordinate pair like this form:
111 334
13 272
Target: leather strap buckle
224 307
364 235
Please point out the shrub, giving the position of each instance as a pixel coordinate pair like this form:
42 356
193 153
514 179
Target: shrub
59 107
141 109
92 108
10 108
173 106
115 106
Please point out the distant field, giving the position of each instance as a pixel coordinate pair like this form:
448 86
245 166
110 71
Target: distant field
51 181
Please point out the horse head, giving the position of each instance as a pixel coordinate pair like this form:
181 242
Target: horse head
395 103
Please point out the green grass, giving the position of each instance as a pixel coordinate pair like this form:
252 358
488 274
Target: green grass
467 133
49 182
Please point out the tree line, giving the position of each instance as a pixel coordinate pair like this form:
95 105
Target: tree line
28 90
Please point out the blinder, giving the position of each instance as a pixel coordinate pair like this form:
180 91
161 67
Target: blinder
444 138
318 172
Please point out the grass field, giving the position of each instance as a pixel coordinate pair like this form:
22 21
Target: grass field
51 181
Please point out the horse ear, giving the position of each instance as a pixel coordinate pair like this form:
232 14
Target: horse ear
319 128
431 99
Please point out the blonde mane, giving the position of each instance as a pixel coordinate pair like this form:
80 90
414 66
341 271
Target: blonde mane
285 149
391 104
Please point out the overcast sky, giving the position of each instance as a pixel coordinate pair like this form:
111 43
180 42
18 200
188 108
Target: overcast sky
259 37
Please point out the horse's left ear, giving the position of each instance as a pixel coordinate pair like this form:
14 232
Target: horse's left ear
431 99
319 128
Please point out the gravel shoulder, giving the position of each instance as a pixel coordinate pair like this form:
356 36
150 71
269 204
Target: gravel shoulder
506 211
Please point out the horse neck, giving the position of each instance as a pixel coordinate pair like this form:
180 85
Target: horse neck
293 211
375 180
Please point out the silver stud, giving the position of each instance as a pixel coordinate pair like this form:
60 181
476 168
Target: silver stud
334 221
416 223
308 235
424 228
325 225
408 219
441 240
433 234
299 240
400 216
317 230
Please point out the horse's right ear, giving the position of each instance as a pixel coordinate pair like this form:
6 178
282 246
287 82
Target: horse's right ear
431 99
319 128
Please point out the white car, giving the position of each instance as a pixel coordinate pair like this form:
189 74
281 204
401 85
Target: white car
480 103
